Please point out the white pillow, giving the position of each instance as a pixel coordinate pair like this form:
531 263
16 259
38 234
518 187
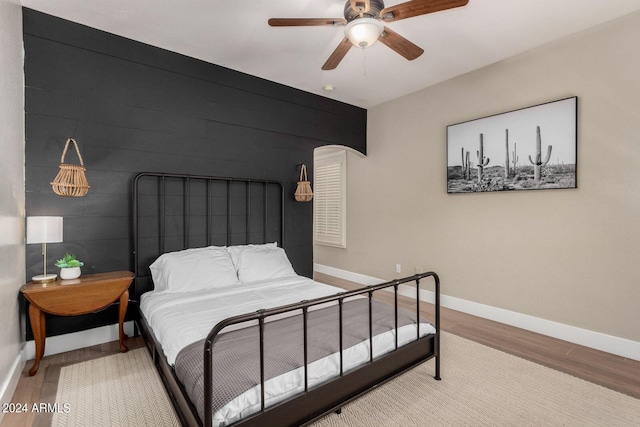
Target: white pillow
193 269
236 250
263 262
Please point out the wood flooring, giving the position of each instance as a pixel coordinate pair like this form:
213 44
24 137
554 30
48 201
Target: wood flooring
611 371
608 370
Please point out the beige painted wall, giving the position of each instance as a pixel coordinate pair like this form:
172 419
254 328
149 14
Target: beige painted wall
569 256
12 270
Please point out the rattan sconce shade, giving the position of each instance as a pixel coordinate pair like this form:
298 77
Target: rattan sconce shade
71 181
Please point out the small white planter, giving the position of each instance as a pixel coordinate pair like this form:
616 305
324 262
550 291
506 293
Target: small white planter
69 273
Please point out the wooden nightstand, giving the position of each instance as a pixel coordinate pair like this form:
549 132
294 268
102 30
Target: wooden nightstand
86 294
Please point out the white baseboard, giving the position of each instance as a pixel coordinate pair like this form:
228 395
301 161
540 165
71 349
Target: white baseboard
10 383
67 342
603 342
55 345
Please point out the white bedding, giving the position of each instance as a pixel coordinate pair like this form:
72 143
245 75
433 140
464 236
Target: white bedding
283 386
179 319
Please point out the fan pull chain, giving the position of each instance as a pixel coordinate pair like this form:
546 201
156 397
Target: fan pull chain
364 62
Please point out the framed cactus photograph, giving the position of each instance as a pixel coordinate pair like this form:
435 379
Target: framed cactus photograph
533 148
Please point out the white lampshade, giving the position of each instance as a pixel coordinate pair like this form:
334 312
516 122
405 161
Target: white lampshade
44 229
363 32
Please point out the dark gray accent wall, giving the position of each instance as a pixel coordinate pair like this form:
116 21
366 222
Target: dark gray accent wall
137 108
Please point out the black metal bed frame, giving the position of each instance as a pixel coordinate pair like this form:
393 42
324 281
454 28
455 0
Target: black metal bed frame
187 214
350 388
316 401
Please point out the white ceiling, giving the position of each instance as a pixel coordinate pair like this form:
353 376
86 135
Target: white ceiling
235 34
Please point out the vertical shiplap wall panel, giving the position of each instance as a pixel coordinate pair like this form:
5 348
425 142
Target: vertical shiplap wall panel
137 108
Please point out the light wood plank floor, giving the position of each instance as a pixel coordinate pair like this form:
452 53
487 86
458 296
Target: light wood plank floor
611 371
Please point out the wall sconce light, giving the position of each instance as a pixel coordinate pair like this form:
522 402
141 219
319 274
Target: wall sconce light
303 193
71 181
44 229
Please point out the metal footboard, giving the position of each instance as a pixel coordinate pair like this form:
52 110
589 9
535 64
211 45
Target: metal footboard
261 315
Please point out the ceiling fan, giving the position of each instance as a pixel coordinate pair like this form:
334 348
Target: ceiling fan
363 21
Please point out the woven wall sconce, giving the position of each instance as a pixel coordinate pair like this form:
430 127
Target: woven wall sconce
70 181
303 190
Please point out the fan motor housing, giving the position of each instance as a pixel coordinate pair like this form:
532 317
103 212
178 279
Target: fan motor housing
375 6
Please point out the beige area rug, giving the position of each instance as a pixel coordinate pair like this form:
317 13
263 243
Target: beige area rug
480 386
123 389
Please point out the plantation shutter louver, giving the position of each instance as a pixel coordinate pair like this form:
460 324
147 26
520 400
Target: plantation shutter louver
329 200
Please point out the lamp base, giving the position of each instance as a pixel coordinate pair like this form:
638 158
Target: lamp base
44 278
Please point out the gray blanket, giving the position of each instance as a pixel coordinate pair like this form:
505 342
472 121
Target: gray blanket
236 360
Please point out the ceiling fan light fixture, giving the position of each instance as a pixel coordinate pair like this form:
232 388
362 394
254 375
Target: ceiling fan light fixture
363 32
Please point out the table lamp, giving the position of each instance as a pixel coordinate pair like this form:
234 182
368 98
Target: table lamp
44 229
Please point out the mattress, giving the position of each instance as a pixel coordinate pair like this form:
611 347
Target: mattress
179 319
182 319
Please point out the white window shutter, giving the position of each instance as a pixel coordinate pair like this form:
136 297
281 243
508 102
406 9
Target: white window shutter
330 199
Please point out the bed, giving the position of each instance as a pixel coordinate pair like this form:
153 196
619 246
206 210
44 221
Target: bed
237 336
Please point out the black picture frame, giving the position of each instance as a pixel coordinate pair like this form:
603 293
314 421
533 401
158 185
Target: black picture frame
532 148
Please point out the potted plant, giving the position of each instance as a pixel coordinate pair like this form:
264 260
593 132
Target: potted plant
69 266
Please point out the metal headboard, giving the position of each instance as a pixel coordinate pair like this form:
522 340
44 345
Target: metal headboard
173 212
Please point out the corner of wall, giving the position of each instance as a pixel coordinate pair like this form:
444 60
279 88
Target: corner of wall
12 197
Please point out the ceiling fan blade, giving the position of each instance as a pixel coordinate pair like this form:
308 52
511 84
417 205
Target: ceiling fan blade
418 7
399 44
337 55
306 22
